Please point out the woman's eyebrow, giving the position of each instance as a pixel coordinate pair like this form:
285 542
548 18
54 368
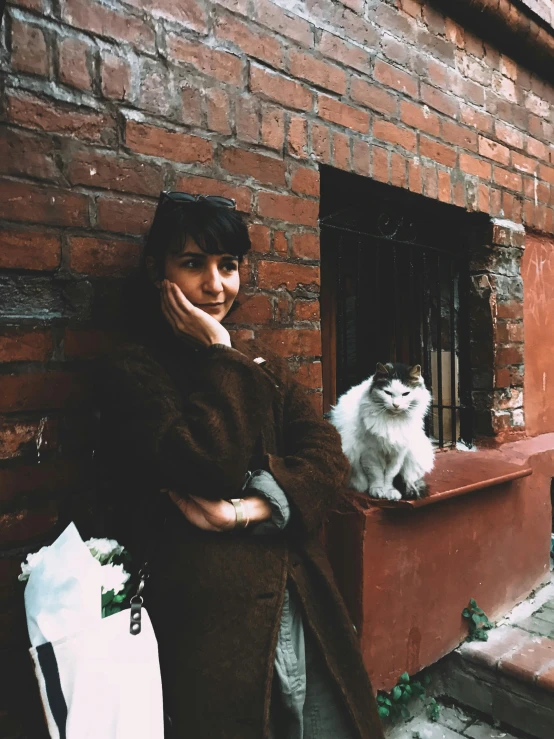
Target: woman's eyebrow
200 255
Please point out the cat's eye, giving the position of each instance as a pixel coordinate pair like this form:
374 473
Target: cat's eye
406 393
388 393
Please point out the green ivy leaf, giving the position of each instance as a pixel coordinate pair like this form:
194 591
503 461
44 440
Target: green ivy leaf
383 712
404 678
396 693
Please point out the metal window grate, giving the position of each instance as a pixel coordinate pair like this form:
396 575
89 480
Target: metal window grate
400 295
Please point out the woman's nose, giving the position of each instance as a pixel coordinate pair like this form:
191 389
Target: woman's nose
212 281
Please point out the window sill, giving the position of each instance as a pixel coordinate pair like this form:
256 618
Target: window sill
455 474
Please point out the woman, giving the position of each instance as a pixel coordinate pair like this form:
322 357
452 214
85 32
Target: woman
254 638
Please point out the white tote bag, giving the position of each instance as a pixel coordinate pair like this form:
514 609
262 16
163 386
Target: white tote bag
103 682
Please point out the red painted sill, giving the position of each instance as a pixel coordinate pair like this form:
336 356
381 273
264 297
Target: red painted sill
455 474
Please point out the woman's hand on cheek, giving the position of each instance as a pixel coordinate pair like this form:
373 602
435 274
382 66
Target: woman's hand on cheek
188 321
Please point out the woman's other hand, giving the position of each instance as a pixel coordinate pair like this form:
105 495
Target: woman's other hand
220 515
188 321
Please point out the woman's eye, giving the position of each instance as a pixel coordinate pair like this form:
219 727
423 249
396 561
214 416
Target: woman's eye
191 263
230 267
404 394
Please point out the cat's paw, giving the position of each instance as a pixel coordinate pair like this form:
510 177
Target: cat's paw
384 493
416 490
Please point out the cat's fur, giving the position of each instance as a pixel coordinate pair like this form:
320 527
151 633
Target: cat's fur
381 425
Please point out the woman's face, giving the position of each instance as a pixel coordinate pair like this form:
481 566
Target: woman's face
210 281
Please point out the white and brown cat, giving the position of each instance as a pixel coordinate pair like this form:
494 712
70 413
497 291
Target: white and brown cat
381 425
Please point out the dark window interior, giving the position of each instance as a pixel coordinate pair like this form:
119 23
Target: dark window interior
395 273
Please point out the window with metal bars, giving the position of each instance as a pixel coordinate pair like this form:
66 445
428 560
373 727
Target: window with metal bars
395 276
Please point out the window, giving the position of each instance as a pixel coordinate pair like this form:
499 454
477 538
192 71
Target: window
395 273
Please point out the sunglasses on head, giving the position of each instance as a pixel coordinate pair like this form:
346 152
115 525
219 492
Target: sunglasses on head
184 198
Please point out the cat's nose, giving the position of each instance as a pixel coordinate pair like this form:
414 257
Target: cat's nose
395 405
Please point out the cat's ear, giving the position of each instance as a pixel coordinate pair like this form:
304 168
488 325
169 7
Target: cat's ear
381 369
415 372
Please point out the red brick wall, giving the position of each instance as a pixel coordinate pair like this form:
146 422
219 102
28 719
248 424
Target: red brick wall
106 103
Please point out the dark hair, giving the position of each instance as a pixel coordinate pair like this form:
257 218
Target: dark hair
216 229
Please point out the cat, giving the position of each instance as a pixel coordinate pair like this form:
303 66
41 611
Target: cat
381 425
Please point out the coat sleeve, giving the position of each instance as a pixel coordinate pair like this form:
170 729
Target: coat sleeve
200 444
313 470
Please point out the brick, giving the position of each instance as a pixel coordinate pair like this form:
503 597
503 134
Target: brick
361 157
280 89
218 107
287 24
250 40
372 96
438 152
454 33
305 246
115 76
523 163
29 49
453 133
343 115
288 208
264 169
380 164
476 118
172 145
309 375
22 438
508 135
477 167
341 51
536 149
155 90
27 154
546 173
419 117
29 250
73 67
411 7
438 100
307 310
56 117
30 203
41 391
493 150
320 142
320 73
293 342
430 181
483 198
395 78
506 355
398 170
281 243
27 526
25 346
107 171
214 63
395 50
189 13
394 134
124 215
297 139
341 150
275 275
501 642
529 659
50 476
103 258
508 179
259 237
247 118
273 127
415 176
95 18
305 181
191 106
253 309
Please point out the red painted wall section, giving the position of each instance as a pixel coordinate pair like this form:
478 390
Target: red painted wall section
538 317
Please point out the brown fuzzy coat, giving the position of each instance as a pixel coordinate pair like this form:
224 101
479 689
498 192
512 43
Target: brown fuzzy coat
196 421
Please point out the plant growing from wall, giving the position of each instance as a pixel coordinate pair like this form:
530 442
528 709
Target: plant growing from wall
478 622
392 705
